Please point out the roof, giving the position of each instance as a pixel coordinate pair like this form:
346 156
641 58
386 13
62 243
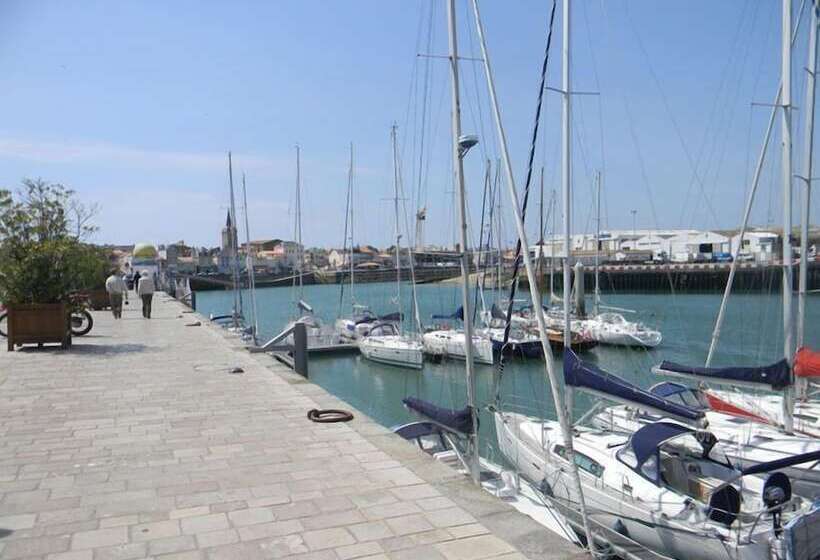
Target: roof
646 440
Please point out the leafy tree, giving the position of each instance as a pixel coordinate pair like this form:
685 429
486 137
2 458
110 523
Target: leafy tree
41 260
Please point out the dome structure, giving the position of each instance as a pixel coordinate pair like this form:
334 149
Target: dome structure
144 251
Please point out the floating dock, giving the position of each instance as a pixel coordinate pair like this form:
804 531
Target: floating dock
165 438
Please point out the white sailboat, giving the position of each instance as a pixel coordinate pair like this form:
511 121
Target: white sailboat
384 342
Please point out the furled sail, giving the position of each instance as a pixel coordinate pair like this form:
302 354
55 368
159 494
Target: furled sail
807 363
777 375
459 420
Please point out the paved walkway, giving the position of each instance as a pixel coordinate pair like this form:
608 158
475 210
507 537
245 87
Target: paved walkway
139 443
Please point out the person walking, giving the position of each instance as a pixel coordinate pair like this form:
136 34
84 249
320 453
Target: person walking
135 280
117 290
145 290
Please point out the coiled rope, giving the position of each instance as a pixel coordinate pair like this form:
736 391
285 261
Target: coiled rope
329 415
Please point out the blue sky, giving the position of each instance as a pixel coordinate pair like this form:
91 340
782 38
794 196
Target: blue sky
134 105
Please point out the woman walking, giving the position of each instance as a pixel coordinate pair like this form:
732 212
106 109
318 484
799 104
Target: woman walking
145 290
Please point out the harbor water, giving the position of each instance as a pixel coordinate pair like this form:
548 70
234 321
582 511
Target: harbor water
752 334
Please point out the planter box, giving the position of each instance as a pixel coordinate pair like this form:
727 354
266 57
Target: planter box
98 299
38 323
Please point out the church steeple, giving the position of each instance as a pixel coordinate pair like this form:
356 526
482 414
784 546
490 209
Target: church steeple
228 222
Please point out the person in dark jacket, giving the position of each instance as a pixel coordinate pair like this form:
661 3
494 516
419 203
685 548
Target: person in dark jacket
136 280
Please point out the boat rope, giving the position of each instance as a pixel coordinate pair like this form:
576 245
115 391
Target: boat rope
517 262
329 415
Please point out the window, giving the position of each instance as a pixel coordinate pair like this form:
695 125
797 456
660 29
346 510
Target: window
584 463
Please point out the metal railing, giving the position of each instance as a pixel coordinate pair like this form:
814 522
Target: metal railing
297 347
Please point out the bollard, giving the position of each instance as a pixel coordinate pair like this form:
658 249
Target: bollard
580 308
300 353
193 301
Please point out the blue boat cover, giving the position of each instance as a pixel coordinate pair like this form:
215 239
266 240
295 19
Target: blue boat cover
579 374
457 314
778 375
812 456
416 430
458 420
392 317
668 389
646 440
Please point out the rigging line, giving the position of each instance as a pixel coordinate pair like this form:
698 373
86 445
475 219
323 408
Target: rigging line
672 118
479 279
533 142
484 147
426 95
597 82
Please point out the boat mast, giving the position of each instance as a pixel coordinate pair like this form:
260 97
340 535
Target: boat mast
566 167
249 261
458 162
299 253
597 299
552 248
535 296
786 138
808 146
396 211
237 298
350 202
541 229
748 211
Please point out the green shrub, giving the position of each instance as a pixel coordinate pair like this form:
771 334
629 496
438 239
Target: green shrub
41 261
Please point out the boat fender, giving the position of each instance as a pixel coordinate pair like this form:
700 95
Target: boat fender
329 415
620 528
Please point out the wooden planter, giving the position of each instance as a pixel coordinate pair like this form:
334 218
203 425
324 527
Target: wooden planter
98 299
38 323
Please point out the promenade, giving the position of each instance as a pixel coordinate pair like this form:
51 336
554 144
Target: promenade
139 442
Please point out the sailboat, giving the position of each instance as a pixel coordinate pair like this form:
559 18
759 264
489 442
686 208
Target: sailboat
384 342
316 330
668 486
780 409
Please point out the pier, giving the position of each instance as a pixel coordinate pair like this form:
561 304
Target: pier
166 438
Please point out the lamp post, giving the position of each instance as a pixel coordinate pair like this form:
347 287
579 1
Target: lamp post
634 212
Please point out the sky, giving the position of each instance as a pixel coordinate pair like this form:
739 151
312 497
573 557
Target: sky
135 104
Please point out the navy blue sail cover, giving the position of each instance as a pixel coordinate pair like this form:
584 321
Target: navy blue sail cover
457 314
458 420
778 375
579 374
646 440
812 456
392 317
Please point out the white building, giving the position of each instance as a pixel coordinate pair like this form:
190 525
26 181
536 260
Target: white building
758 246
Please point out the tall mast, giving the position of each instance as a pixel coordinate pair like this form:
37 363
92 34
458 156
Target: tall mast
350 202
786 138
458 162
541 229
535 295
249 261
396 212
299 253
237 298
597 298
761 158
808 145
554 211
566 167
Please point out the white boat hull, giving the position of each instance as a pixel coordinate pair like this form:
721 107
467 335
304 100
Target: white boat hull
451 344
394 350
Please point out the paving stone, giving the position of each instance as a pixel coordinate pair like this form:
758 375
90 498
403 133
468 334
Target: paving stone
449 517
37 546
327 538
99 537
408 524
358 550
250 516
17 522
374 530
71 555
474 548
156 530
263 530
217 538
204 523
171 544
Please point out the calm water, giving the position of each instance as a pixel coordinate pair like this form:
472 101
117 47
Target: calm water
752 334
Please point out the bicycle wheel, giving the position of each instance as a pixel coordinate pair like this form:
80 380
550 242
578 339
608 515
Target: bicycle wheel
81 322
4 325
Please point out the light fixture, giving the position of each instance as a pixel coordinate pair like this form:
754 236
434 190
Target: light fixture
465 142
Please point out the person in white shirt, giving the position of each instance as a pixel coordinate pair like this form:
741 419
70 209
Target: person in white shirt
117 290
145 290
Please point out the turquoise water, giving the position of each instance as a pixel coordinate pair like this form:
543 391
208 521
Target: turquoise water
752 334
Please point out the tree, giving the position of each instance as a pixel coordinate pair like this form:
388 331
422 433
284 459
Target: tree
41 261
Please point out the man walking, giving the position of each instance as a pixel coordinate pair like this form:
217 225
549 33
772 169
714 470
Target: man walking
116 289
145 290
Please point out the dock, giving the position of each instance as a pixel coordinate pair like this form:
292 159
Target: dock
165 438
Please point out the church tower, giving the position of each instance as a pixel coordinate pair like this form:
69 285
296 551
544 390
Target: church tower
227 255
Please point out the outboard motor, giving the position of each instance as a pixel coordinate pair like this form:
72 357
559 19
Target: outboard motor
777 490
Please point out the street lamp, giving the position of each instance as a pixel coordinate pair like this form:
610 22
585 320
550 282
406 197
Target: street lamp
633 220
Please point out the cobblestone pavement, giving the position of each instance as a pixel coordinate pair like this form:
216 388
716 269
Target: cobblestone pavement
139 443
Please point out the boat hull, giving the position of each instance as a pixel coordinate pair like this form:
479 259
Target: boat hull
392 351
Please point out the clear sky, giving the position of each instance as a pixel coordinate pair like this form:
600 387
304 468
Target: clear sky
135 104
